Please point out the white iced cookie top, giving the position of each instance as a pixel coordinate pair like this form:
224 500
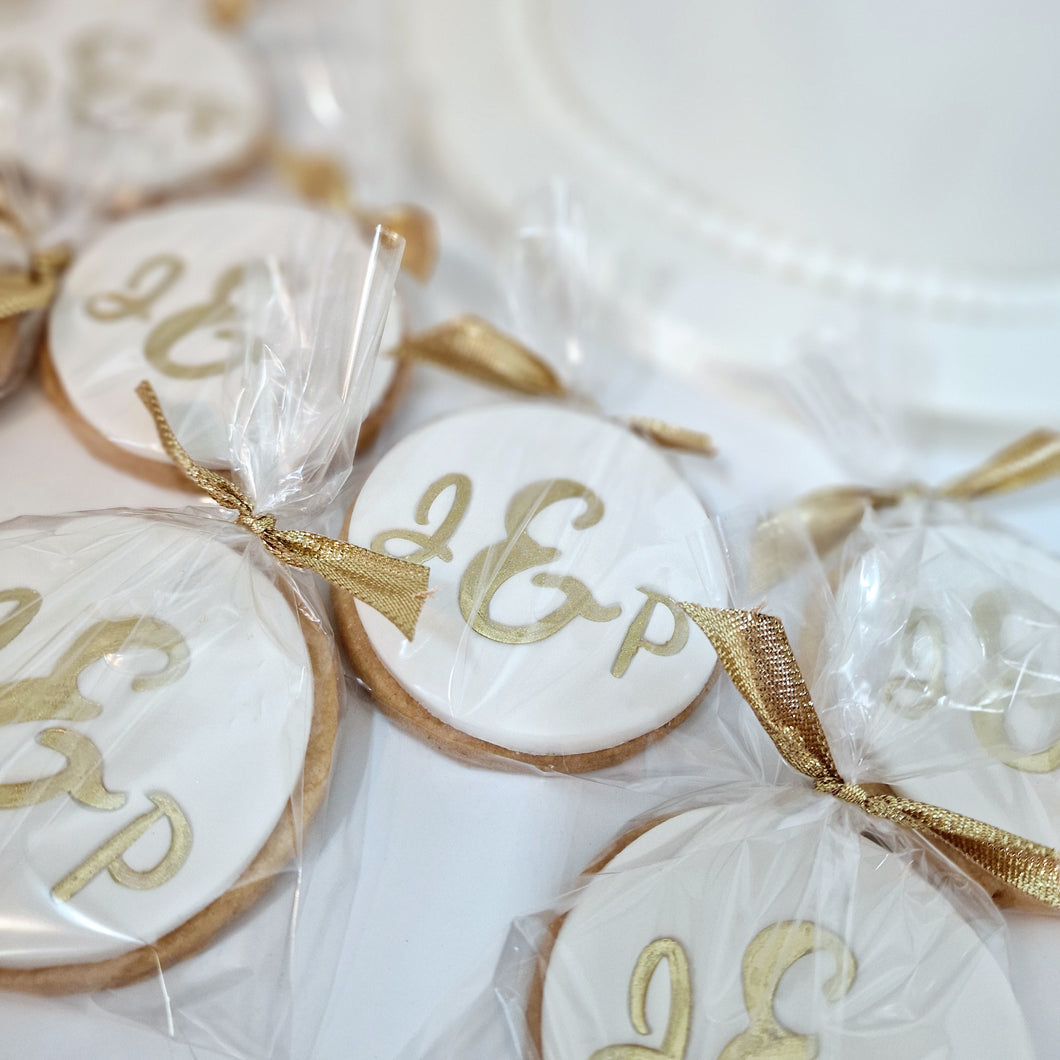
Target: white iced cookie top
159 297
943 657
165 695
558 544
133 98
726 934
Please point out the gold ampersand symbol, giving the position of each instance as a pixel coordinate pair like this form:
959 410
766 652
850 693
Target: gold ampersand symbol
768 956
675 1040
989 612
218 312
498 563
430 546
147 283
58 697
910 695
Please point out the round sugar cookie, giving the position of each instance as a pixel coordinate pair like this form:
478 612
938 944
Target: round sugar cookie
722 932
157 297
166 726
559 546
131 100
942 653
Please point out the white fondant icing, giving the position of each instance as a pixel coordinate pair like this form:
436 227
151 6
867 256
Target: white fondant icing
914 668
557 695
226 740
133 98
712 879
100 361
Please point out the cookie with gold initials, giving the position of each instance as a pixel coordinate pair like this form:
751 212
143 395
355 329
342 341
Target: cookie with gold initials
170 296
766 931
559 544
167 716
130 101
943 650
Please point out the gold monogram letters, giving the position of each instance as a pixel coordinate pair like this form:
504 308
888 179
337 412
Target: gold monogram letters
57 696
109 855
767 957
436 544
907 694
111 90
148 282
492 567
218 312
635 635
675 1040
495 565
1007 682
989 613
81 779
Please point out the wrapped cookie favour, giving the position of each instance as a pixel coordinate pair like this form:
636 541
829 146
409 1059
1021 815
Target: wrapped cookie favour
101 111
739 921
764 929
937 644
820 522
163 296
559 544
169 695
148 101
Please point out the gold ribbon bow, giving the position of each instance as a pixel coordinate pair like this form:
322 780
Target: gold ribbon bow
827 517
394 587
22 290
755 651
321 179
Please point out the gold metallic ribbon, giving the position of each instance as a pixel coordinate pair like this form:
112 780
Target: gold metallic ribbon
394 587
827 517
22 290
473 347
754 650
671 436
321 179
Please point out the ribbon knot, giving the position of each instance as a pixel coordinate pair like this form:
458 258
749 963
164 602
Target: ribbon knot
755 651
33 287
852 793
394 587
261 525
827 517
